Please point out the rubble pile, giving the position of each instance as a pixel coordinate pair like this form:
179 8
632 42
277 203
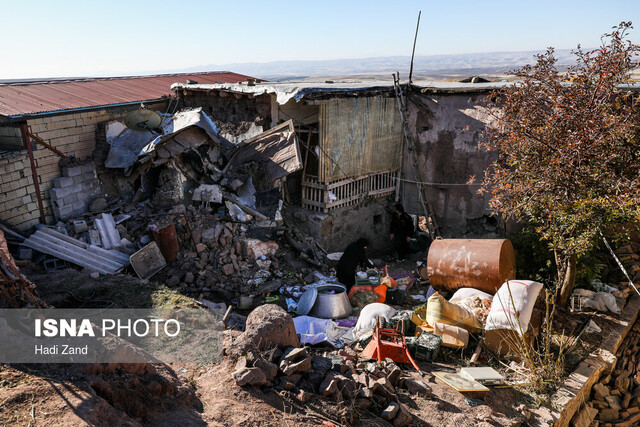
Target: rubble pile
222 201
268 355
616 398
337 375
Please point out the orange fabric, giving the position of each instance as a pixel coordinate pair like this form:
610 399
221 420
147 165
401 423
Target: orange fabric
381 290
389 282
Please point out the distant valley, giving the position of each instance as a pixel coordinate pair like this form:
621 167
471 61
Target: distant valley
440 67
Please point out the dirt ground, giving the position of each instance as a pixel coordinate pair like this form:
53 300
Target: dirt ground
68 395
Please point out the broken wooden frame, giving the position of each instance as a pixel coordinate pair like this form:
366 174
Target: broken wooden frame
323 197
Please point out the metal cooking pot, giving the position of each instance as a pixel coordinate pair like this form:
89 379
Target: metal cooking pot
331 305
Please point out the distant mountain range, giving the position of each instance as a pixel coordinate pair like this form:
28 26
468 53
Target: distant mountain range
495 63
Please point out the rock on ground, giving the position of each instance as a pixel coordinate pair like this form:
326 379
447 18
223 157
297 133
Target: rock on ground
249 376
267 326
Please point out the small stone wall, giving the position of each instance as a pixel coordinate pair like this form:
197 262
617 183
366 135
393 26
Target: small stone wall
335 230
575 392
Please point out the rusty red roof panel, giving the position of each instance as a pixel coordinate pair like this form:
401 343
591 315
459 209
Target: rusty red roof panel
25 98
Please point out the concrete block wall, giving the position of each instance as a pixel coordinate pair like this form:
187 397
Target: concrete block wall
18 203
74 191
72 134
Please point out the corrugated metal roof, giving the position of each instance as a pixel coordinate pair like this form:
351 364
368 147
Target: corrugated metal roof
64 247
26 98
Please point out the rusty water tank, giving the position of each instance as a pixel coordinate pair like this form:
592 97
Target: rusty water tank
483 264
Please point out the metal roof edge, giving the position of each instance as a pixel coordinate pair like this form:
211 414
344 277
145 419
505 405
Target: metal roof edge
22 117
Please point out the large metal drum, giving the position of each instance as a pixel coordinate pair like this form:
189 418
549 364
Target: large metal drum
483 264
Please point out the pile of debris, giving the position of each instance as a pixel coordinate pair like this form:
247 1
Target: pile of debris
616 398
212 207
338 375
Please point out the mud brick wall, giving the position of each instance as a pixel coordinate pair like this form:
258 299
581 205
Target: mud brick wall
74 134
446 133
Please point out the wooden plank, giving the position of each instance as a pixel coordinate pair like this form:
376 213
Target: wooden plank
313 203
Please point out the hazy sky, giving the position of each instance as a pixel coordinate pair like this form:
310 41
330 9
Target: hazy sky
92 38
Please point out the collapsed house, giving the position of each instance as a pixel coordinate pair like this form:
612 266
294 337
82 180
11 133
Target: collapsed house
44 121
329 157
354 160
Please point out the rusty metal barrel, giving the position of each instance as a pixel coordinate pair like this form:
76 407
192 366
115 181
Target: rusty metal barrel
483 264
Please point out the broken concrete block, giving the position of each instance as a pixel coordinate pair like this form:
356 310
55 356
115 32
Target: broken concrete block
403 418
249 376
98 205
390 411
270 369
417 387
294 354
394 375
80 226
328 388
228 269
208 193
233 185
384 382
71 171
254 248
289 368
211 235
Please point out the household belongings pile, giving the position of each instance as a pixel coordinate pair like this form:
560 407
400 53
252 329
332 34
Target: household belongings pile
503 317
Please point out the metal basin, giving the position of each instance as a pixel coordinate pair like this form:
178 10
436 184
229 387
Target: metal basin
331 305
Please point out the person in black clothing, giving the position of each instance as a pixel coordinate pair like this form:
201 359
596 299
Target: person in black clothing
401 231
354 255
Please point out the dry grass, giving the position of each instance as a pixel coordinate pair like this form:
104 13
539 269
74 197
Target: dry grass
542 363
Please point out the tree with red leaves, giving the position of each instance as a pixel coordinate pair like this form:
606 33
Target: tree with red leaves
568 146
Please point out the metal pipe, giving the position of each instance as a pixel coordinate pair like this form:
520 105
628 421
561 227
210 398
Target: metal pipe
24 130
49 147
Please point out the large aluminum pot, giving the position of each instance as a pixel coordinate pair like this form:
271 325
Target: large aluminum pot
332 302
483 264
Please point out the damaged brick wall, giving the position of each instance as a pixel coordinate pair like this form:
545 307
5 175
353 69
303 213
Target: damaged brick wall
233 114
73 134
